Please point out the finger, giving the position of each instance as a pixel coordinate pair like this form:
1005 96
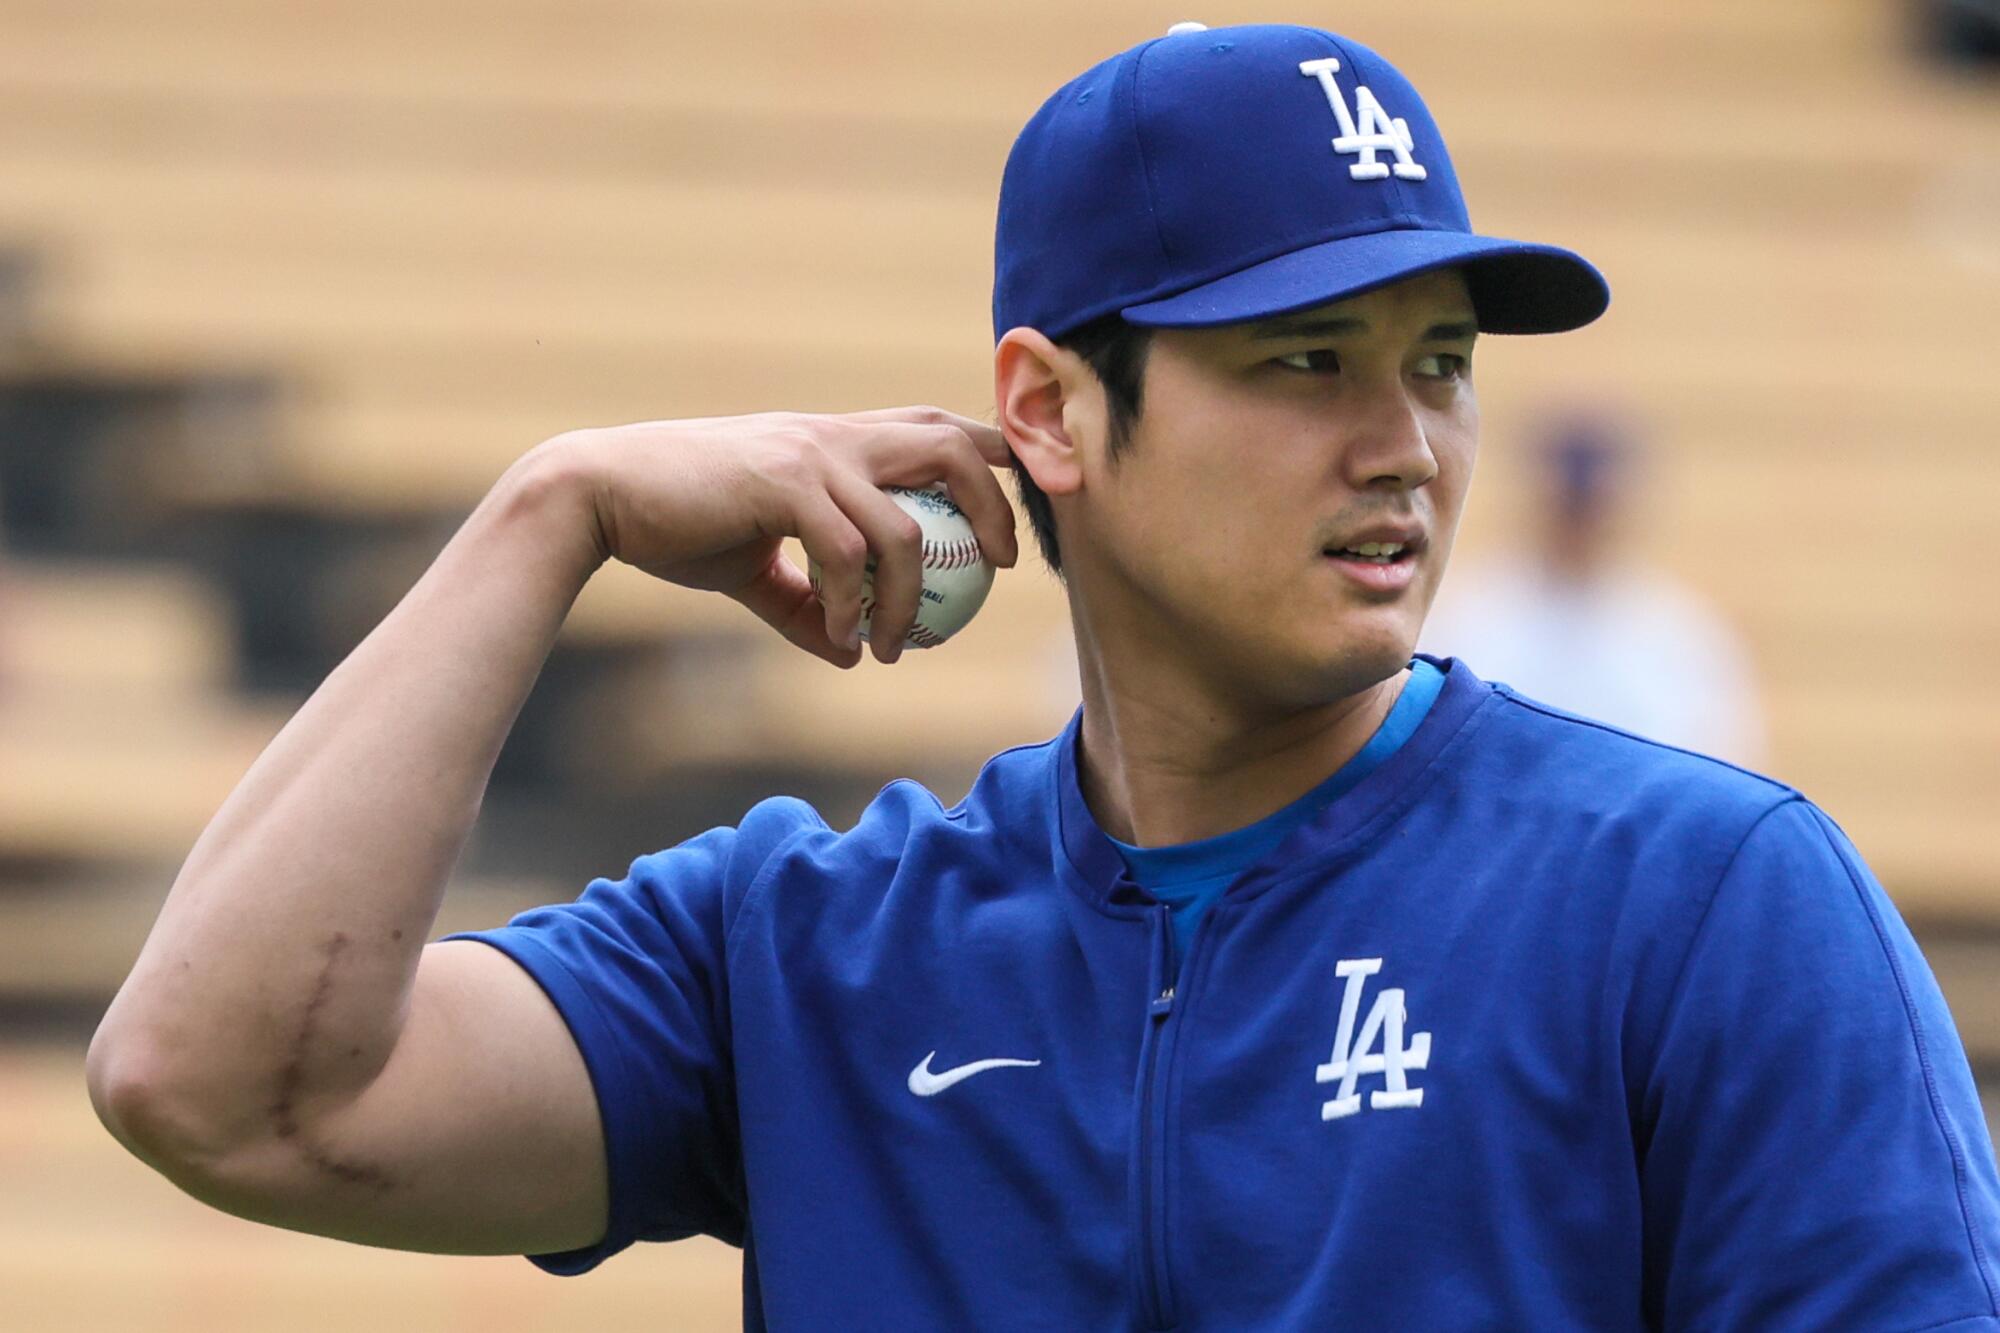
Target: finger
782 598
896 539
987 439
973 486
841 550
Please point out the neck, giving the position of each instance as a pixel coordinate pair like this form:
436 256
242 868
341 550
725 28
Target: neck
1167 757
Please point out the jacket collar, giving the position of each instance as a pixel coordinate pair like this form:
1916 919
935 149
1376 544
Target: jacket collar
1099 871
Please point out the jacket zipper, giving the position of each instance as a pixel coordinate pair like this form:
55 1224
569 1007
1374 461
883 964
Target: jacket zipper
1152 1116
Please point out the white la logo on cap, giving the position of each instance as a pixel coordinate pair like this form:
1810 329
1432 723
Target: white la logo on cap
1378 131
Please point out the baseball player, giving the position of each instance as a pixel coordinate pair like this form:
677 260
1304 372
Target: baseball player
1301 982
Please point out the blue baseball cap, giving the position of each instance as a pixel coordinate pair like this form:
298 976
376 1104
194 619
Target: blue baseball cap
1213 176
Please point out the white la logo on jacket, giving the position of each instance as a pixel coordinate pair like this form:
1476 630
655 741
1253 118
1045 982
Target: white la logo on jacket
1378 131
1351 1059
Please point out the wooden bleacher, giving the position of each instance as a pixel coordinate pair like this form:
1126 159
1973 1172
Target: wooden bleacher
118 733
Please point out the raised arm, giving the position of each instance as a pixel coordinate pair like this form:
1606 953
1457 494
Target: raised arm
287 1047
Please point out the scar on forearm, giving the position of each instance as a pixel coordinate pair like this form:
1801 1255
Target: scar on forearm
284 1110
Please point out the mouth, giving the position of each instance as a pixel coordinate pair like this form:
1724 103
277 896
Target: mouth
1383 567
1374 553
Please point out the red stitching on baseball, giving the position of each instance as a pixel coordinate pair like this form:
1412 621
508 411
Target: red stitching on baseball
951 555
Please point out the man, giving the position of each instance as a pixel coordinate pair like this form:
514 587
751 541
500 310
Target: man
1298 983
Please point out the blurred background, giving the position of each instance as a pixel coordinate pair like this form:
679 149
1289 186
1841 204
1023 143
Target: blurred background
284 287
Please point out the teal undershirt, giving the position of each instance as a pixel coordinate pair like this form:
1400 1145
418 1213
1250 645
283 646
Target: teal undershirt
1188 876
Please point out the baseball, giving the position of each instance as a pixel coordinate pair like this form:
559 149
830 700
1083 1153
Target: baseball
956 575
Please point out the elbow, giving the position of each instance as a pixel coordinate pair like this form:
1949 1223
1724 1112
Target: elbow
129 1083
217 1150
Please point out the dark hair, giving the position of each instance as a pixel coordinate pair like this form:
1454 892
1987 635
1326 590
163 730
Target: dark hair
1116 352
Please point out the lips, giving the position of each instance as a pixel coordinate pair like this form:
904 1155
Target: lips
1388 577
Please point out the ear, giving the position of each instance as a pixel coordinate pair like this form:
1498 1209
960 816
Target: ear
1049 404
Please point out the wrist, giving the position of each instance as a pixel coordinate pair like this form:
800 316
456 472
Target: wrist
551 491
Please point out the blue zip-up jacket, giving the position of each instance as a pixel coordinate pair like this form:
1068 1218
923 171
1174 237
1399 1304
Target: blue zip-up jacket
1541 1026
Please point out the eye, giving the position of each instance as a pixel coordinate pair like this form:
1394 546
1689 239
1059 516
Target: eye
1330 359
1449 365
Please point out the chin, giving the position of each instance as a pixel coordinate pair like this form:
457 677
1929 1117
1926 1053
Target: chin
1324 671
1377 646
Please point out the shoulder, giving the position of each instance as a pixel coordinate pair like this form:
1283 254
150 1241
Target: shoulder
909 851
775 821
728 856
1011 792
1662 821
1698 845
1582 762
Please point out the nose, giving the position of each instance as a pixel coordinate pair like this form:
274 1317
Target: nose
1387 445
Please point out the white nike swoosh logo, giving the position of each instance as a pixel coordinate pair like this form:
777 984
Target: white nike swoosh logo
926 1084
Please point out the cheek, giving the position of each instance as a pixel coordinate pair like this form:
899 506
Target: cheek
1203 544
1449 493
1187 497
1457 450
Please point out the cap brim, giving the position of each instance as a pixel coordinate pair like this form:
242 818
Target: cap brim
1516 286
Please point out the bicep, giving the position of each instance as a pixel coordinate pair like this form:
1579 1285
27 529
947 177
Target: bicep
481 1134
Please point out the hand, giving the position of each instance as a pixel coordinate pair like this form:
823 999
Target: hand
705 503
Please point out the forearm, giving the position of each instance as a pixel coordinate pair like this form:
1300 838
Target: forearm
276 977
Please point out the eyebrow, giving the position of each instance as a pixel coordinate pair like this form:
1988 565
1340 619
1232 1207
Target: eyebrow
1450 331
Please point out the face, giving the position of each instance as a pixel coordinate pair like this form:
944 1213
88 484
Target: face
1263 454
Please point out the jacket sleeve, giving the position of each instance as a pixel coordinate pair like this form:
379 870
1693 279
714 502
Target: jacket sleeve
638 969
1812 1149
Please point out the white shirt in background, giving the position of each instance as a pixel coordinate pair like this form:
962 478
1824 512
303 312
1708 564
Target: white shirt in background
1633 648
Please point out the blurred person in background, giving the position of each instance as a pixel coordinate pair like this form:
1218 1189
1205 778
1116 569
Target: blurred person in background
1575 619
